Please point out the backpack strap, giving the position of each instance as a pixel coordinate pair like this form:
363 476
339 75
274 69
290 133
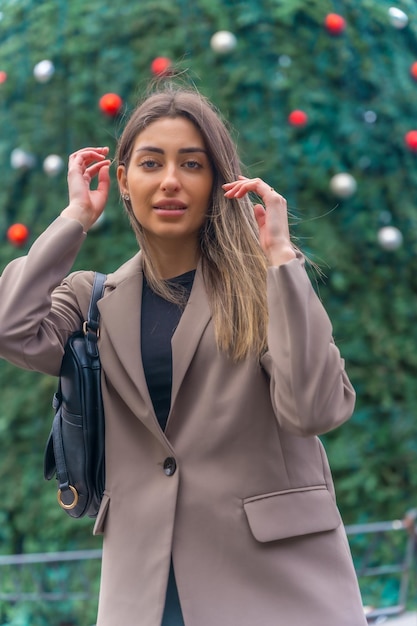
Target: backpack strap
91 325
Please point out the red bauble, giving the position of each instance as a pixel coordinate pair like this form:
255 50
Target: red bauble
18 234
413 70
335 23
161 66
411 140
110 103
3 76
298 118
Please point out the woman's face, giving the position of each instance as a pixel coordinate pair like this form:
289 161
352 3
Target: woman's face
169 180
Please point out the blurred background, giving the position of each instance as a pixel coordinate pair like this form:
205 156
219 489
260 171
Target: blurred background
321 96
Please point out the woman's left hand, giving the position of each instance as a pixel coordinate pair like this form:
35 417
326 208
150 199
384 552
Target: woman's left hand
272 217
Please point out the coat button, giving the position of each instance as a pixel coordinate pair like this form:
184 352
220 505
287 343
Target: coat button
170 466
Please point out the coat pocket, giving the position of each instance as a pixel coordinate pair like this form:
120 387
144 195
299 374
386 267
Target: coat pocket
291 513
101 516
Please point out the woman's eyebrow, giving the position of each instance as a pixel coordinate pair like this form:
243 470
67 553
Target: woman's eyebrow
191 149
180 151
150 149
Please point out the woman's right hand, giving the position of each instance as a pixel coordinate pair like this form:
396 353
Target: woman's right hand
86 204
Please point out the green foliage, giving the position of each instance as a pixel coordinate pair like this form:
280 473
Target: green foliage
284 59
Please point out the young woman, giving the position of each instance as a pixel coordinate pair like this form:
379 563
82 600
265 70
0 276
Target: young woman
219 372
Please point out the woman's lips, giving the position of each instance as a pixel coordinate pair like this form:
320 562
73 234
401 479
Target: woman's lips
170 208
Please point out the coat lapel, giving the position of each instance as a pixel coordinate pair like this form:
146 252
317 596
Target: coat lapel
120 311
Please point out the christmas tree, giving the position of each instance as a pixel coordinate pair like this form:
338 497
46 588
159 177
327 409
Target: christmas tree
321 98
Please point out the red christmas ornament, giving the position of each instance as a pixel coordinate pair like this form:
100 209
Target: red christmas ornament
17 234
3 76
161 66
335 23
413 70
298 118
411 140
110 103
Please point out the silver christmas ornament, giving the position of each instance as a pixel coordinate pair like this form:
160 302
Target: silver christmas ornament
223 42
390 238
398 18
43 71
20 159
53 165
370 117
343 185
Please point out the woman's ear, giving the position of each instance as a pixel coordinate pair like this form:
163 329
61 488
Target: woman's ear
122 180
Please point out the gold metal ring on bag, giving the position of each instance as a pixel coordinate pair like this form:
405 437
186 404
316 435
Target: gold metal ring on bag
73 503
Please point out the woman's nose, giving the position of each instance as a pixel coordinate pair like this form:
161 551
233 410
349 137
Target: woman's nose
170 180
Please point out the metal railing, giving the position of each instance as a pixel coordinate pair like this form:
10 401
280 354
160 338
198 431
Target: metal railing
49 589
382 551
385 552
24 576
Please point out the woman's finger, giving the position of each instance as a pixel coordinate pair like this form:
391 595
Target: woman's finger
83 158
90 150
95 168
242 186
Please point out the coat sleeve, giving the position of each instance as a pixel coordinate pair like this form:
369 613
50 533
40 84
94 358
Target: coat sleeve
37 316
311 392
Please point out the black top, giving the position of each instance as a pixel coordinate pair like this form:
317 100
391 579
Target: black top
159 320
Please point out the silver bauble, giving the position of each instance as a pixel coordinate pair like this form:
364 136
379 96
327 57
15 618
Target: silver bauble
21 160
390 237
370 117
398 18
343 185
43 71
223 42
53 165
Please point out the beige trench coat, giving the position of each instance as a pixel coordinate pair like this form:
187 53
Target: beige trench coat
238 488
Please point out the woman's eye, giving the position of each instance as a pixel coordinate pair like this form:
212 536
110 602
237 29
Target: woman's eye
148 164
193 165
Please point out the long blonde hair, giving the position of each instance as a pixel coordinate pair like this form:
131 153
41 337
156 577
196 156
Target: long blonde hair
233 263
